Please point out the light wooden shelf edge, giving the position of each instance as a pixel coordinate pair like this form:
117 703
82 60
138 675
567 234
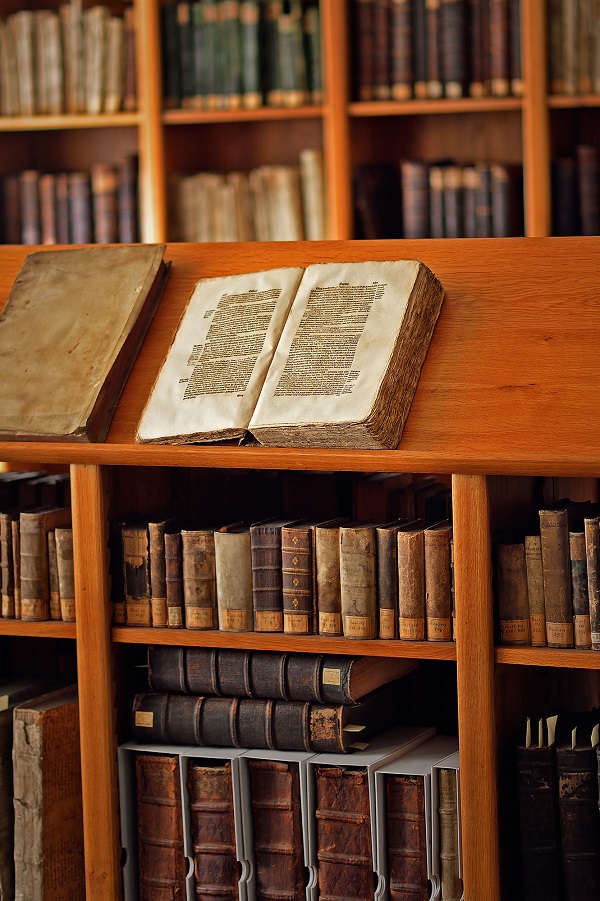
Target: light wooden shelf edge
262 114
424 107
38 630
573 101
69 122
577 658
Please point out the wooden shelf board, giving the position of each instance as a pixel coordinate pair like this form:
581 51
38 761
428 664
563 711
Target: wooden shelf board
49 629
570 101
443 105
69 122
277 641
567 657
262 114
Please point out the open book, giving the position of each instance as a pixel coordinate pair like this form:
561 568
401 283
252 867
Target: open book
327 356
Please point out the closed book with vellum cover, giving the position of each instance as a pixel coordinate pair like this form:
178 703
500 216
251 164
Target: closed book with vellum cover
326 356
69 334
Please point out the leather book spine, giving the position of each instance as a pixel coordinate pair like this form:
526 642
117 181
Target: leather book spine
233 563
592 551
577 777
136 572
381 49
345 864
170 53
477 85
255 720
162 865
167 718
414 176
186 54
516 67
402 72
66 574
251 52
555 62
80 207
451 882
436 202
581 604
158 573
535 590
35 587
116 571
62 208
507 194
174 580
213 831
512 597
48 209
114 60
53 577
167 668
557 578
327 562
453 202
277 827
365 48
291 56
499 48
29 190
483 198
104 205
538 813
589 183
311 24
16 549
411 585
267 584
420 48
406 838
453 22
303 677
294 727
127 206
358 581
564 196
568 45
470 188
387 581
435 86
268 674
233 673
199 579
130 72
219 722
7 566
297 573
11 210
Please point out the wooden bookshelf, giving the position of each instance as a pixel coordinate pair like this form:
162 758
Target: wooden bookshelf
496 404
511 129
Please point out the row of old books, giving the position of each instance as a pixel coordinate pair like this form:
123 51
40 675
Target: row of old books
36 547
297 576
420 199
41 819
99 206
219 54
576 192
72 61
557 775
548 581
276 789
269 203
422 49
573 47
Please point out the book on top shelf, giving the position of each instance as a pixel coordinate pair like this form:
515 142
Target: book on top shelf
287 356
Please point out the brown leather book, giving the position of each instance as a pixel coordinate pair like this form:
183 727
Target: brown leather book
233 563
401 38
420 36
7 565
174 580
199 578
66 574
483 201
554 531
104 204
453 40
130 80
48 225
213 831
29 196
333 679
507 200
364 35
267 577
451 883
345 863
136 569
35 584
577 778
381 49
16 549
535 590
62 208
49 861
438 592
358 580
588 183
277 829
327 565
435 87
592 550
477 82
157 572
387 578
298 576
406 838
114 63
80 208
53 577
499 48
127 200
516 67
511 592
162 864
582 637
11 210
411 583
414 176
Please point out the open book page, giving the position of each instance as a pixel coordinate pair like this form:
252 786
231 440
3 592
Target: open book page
210 381
337 343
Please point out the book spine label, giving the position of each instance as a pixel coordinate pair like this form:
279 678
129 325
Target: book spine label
199 579
358 581
297 572
174 580
267 584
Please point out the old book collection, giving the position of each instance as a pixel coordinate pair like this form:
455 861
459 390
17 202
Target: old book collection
72 61
573 47
271 818
233 56
427 50
269 203
557 771
575 192
548 580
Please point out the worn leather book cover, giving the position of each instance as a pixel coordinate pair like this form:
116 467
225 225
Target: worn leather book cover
453 47
327 581
16 547
161 860
511 591
35 583
345 862
577 777
588 168
136 570
582 637
554 531
233 565
387 578
213 831
592 550
358 580
381 49
80 207
66 573
401 38
70 394
174 580
414 179
7 565
535 590
411 583
499 48
451 882
199 578
277 829
53 577
158 572
406 838
49 862
297 575
267 576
